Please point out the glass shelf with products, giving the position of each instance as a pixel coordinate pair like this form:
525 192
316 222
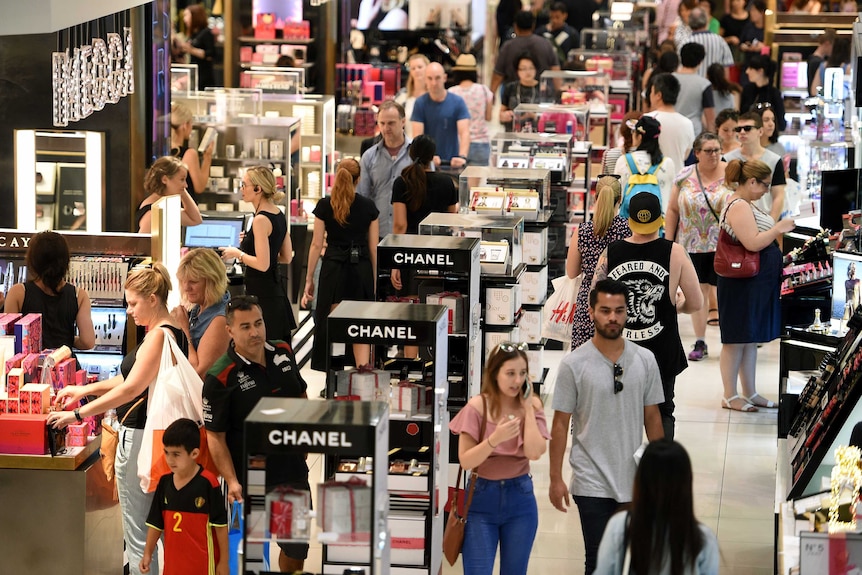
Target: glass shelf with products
573 88
535 151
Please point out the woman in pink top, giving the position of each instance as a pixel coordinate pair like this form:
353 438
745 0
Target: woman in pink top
503 512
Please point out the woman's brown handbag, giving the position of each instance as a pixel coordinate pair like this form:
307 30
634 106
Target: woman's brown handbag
108 446
732 260
453 534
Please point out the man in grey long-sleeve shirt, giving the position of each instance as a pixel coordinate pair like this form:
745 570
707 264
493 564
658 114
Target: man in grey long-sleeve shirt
383 162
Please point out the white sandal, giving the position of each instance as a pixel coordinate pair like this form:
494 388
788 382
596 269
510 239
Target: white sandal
767 405
747 408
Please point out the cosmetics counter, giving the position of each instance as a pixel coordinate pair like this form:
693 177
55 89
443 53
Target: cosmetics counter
71 486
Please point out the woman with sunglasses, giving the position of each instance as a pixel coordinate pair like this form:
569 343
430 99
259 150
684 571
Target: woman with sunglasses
749 309
264 246
698 196
659 533
769 139
588 243
749 130
503 513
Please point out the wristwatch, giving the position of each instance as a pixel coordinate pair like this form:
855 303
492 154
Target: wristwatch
77 413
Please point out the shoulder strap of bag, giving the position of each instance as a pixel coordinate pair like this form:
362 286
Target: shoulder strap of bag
131 409
654 167
724 217
703 191
474 475
633 168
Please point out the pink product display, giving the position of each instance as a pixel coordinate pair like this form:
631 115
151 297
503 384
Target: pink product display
64 373
15 361
35 398
28 334
76 435
7 323
9 405
15 380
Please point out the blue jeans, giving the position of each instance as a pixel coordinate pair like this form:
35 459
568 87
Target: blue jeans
479 154
595 512
503 513
134 503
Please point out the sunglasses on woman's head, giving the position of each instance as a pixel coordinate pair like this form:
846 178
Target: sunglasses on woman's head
762 106
509 346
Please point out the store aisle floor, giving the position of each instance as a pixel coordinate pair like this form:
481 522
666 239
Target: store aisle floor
733 455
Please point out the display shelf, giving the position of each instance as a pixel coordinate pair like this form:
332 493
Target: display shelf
825 407
356 428
253 40
534 150
391 323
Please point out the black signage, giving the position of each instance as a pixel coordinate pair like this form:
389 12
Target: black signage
426 252
292 438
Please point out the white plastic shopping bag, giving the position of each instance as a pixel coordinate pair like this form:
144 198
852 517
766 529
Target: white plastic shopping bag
559 311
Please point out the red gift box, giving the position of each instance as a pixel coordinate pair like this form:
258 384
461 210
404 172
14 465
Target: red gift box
281 518
81 377
23 433
15 361
15 380
264 28
288 512
78 429
28 334
7 323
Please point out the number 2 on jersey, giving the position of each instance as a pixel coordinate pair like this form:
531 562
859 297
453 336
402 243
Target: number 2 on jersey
178 517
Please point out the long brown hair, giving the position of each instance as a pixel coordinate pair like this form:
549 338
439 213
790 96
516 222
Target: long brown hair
493 365
609 192
344 189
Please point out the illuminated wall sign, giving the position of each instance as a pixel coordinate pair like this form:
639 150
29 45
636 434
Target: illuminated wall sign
86 78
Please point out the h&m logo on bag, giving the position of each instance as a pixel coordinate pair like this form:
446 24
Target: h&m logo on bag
563 313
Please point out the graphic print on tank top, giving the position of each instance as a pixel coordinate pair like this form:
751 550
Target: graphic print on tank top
647 285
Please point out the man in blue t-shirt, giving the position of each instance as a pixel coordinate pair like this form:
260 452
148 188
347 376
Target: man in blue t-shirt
443 116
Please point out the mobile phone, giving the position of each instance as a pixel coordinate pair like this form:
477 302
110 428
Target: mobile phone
527 389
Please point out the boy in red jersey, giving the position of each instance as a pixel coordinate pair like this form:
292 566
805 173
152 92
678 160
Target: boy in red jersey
190 503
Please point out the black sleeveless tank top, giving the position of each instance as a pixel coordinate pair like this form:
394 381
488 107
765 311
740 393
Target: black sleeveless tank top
58 313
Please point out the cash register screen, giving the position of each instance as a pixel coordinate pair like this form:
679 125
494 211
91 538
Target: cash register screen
214 233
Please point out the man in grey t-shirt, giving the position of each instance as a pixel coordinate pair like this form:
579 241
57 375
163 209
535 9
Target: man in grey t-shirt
695 101
610 390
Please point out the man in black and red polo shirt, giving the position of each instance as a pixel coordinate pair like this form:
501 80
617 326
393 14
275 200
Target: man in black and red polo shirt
251 369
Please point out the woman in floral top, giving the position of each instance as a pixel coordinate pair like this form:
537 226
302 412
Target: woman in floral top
698 196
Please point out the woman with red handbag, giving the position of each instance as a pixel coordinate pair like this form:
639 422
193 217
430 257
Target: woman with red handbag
499 432
749 310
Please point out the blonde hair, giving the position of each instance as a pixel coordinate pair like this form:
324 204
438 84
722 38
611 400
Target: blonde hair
344 189
738 171
204 264
261 177
149 281
164 166
608 194
409 77
180 114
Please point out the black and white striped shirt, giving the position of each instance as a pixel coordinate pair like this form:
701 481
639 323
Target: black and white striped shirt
717 50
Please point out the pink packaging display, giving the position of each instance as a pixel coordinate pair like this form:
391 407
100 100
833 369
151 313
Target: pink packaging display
7 323
76 441
76 435
35 398
94 424
64 373
15 361
265 26
81 377
28 334
15 380
32 366
9 405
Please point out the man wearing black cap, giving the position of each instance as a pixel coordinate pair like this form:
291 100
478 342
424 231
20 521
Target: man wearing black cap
652 268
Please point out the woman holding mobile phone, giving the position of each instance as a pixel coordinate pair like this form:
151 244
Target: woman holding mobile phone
504 507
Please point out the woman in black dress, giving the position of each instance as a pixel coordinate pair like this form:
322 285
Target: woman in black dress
264 246
201 44
350 262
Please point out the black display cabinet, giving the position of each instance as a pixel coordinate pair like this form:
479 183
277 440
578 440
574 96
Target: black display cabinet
337 428
421 437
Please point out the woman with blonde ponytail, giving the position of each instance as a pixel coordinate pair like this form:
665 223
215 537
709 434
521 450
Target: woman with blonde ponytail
264 246
588 243
350 262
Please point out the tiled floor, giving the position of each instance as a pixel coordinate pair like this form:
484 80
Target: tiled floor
733 455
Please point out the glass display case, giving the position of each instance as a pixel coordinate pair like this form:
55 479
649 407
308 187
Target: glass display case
496 230
534 151
503 178
184 79
618 65
614 39
270 79
225 104
570 87
552 119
